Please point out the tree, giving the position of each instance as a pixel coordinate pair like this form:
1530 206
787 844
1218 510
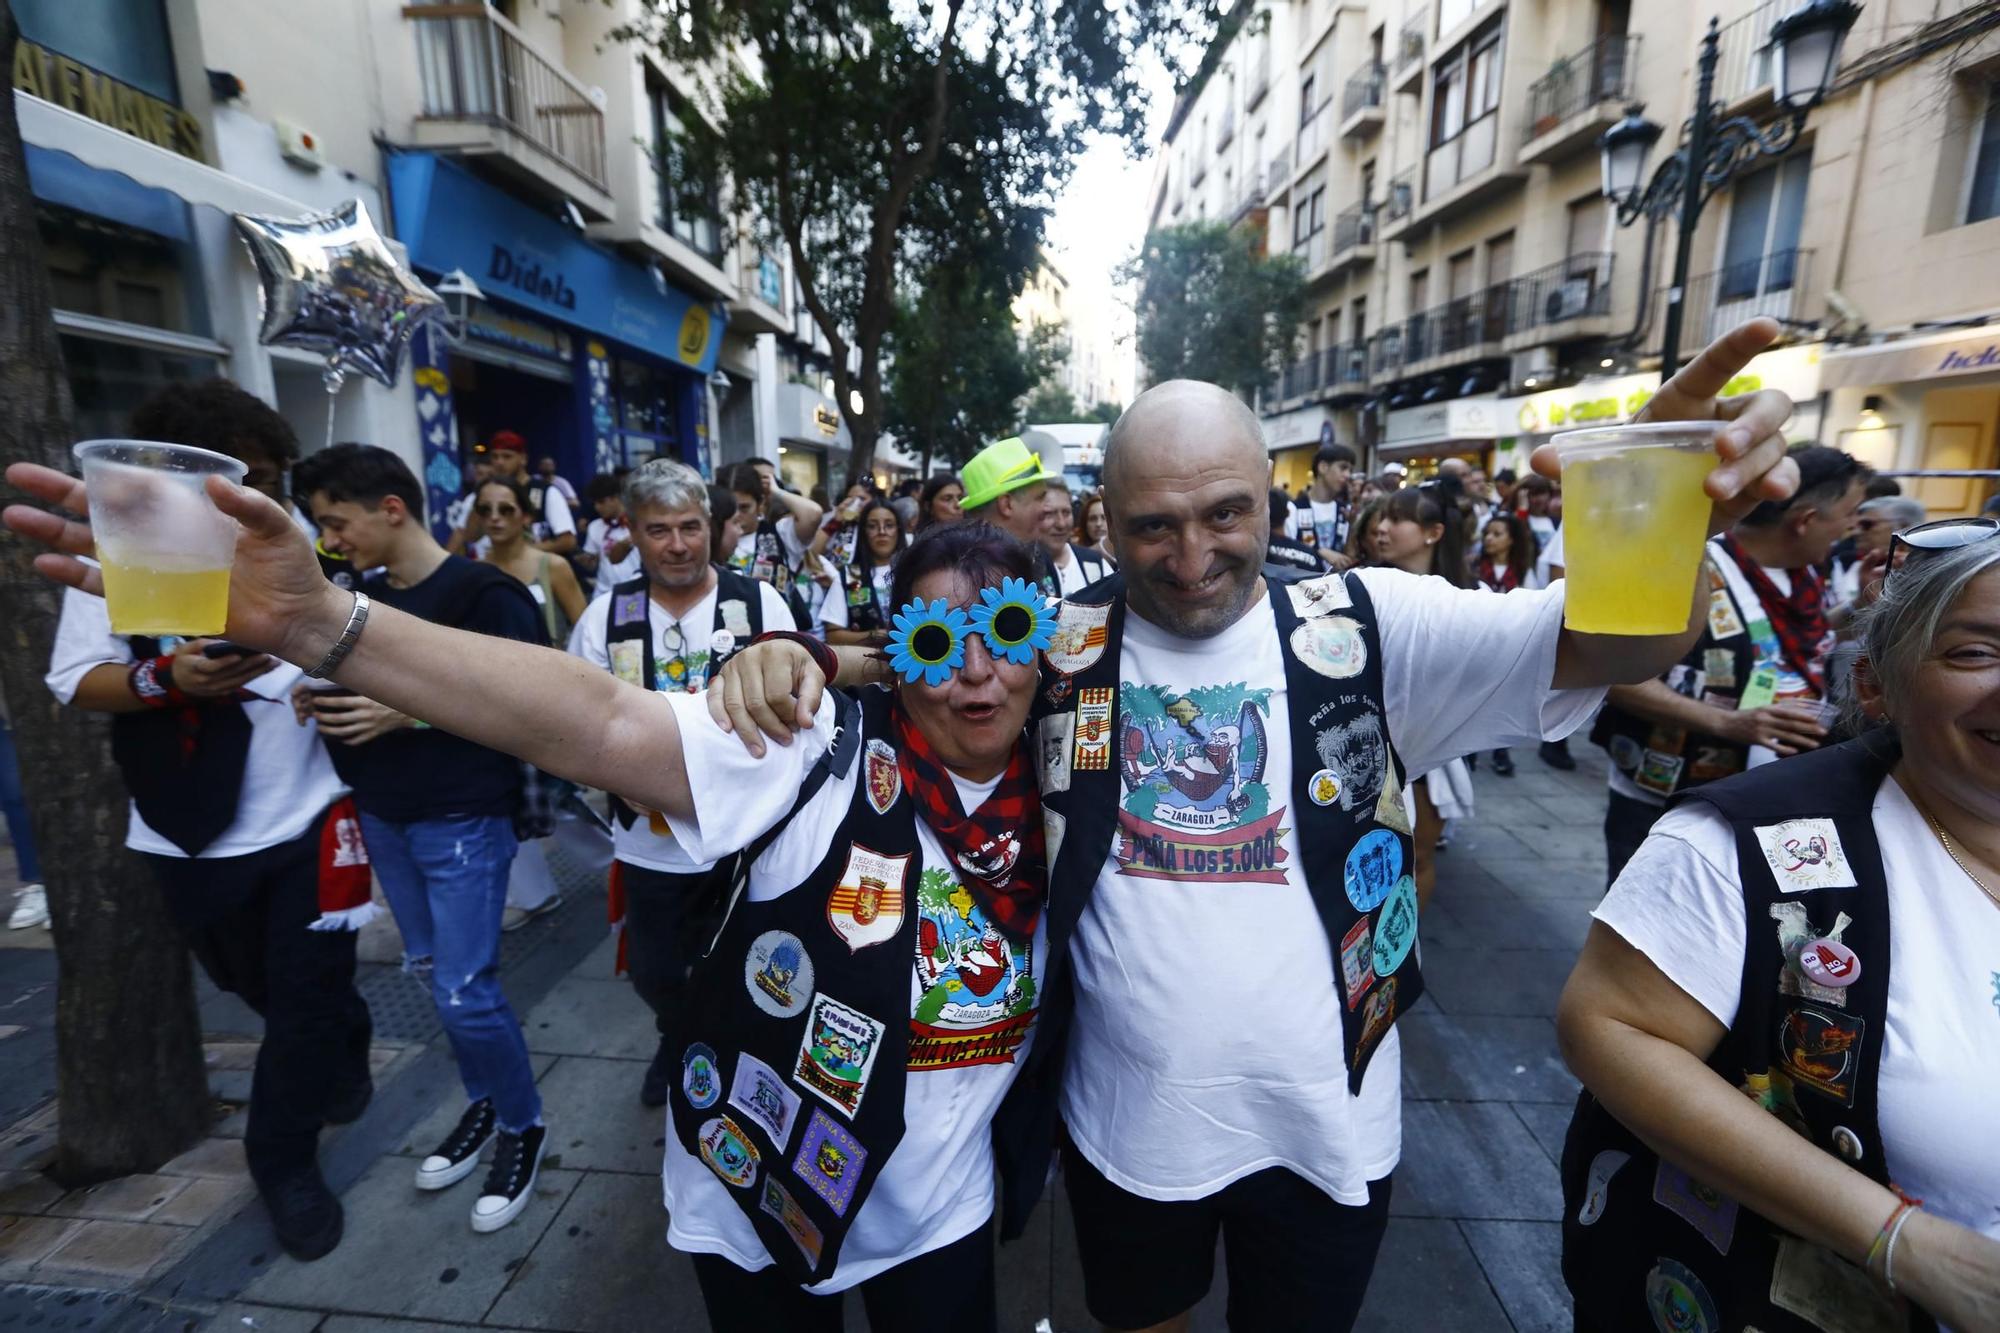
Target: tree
1213 306
876 136
129 1072
1108 413
955 370
1050 402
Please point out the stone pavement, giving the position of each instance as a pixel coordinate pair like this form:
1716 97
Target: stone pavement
1472 1240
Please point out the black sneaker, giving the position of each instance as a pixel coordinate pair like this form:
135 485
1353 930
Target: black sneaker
511 1183
305 1214
454 1159
1556 755
1503 764
348 1104
659 1078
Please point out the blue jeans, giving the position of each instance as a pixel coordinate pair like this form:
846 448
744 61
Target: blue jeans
446 881
16 810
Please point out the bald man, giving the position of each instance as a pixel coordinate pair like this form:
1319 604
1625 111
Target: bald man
1232 914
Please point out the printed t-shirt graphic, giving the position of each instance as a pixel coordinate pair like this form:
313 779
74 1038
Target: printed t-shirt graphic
976 988
1195 804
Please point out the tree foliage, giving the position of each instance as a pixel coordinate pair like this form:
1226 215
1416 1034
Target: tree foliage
956 369
1211 305
1050 403
1106 412
876 140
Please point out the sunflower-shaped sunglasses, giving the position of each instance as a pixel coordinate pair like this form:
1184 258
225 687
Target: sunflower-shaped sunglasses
928 642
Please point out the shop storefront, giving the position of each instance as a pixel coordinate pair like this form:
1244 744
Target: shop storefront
1421 437
813 440
1925 403
581 352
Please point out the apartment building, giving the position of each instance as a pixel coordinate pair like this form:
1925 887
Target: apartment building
1433 164
513 143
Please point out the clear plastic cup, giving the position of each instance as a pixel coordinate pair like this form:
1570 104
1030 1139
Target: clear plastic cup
1635 519
164 546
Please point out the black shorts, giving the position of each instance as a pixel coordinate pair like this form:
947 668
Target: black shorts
1296 1259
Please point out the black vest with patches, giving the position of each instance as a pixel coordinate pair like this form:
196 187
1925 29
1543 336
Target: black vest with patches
782 986
1664 759
1338 728
864 613
630 620
1645 1244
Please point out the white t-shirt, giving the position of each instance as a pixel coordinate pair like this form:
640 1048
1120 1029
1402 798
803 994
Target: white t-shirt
1680 902
745 556
1208 1026
1549 555
288 781
937 1187
834 612
1326 522
556 516
600 535
682 650
1072 577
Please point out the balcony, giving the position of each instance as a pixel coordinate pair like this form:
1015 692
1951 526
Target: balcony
1225 128
1249 198
1344 368
487 93
1277 175
1312 253
1353 236
1406 73
1746 58
1565 301
1466 170
1579 98
1311 145
1385 353
1399 205
1568 299
1259 80
759 303
1774 284
1361 102
1302 377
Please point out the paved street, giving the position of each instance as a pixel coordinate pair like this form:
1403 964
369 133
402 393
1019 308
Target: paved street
1472 1244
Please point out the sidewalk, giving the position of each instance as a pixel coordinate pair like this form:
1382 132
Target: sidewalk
1472 1243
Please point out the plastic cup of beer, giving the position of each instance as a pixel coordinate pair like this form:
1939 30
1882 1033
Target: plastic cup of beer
164 547
1635 520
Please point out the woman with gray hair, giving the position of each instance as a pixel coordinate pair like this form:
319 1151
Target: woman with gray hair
1787 1014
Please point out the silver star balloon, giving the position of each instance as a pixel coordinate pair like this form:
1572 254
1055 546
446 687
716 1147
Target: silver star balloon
332 285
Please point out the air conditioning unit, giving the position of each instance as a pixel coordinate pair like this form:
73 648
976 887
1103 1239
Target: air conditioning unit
1567 301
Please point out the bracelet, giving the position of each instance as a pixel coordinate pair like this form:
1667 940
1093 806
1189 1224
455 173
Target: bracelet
823 657
357 619
151 680
1886 1236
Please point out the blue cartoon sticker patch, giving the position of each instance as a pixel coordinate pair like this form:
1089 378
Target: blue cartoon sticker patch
1372 869
1396 929
700 1083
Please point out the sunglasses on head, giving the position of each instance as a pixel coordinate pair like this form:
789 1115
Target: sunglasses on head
1944 534
489 510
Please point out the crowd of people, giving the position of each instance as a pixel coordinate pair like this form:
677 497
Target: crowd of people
1015 761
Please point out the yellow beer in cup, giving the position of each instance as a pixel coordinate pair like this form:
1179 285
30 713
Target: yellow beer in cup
164 547
1635 520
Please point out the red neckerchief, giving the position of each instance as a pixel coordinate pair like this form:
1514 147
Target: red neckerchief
1799 620
997 849
1502 579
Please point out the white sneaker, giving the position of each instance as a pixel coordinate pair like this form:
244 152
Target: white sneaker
510 1184
30 909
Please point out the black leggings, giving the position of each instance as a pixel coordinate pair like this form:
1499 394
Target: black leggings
904 1299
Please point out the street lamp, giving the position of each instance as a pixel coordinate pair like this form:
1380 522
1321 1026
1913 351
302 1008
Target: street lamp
1806 46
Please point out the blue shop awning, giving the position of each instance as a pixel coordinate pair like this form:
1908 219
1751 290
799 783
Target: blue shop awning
58 178
450 219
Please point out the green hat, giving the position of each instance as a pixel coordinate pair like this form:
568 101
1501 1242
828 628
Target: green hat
999 468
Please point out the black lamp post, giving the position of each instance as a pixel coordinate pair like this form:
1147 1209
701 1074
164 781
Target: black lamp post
1806 46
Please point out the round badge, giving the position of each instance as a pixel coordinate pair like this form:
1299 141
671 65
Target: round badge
729 1151
1372 868
778 974
1396 928
701 1082
720 642
1678 1301
1829 963
1330 645
1325 787
1847 1143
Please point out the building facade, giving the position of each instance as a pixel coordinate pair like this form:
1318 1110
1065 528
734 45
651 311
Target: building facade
1434 167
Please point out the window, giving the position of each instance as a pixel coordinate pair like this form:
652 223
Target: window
1500 259
126 39
1451 13
1309 218
1760 245
1420 283
1308 99
1360 324
1983 201
1467 86
686 209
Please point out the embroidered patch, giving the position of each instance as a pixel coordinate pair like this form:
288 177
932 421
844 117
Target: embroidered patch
736 617
1625 752
837 1053
1377 1015
628 661
1597 1185
1678 1301
883 776
830 1161
701 1084
1079 637
1318 597
1058 691
1356 754
1054 742
1795 931
778 973
1390 812
1821 1049
1658 772
1324 788
729 1151
1805 854
1723 622
1093 729
759 1093
1357 961
1396 928
1719 665
1331 645
1372 867
777 1203
1708 1211
1828 1292
866 906
629 609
